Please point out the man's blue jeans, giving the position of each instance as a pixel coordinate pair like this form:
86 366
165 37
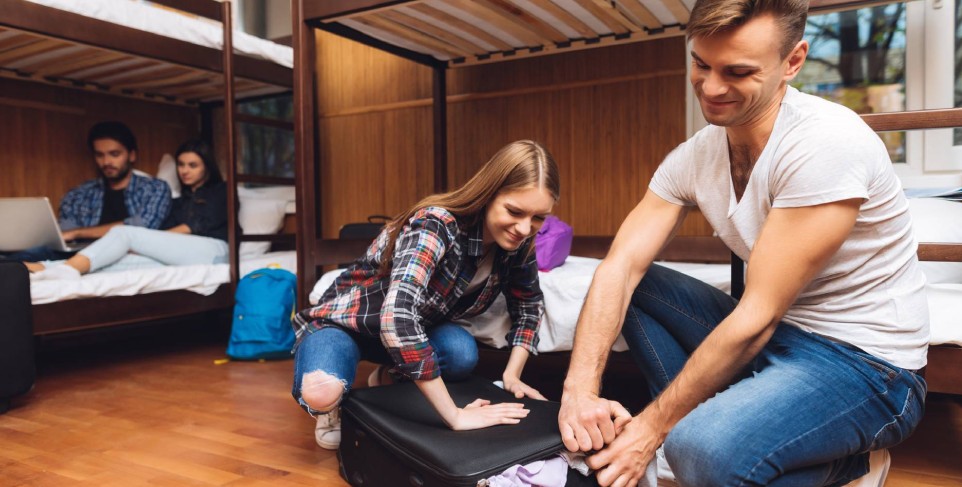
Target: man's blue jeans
805 411
337 352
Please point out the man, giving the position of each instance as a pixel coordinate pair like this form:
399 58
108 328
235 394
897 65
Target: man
117 197
816 365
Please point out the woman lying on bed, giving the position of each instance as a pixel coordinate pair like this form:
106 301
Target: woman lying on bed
196 228
447 257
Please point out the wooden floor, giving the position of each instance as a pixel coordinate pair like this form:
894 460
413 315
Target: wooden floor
159 410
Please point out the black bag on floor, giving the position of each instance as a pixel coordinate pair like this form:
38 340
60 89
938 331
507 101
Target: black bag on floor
391 436
17 369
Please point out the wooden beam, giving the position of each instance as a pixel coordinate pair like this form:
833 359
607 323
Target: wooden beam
940 252
459 24
204 8
335 10
307 165
915 119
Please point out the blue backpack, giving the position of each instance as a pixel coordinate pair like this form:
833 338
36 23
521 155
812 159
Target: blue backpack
263 306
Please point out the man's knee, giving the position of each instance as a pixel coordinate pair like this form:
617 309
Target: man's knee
321 391
460 361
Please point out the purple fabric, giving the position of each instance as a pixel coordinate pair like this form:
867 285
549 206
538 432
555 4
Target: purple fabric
548 473
552 244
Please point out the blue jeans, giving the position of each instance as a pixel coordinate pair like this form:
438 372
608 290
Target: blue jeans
337 352
167 248
805 412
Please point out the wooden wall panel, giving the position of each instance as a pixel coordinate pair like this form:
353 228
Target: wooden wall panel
609 116
44 136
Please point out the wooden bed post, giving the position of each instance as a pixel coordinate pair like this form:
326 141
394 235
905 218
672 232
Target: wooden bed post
232 229
306 167
440 95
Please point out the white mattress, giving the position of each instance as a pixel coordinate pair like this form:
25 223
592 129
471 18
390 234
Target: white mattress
201 279
144 16
565 289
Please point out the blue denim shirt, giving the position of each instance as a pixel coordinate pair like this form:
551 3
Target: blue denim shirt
147 201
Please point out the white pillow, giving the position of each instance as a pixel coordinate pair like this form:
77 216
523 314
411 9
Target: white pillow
936 220
167 171
259 217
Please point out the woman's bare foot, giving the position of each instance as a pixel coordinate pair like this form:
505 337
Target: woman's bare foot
34 266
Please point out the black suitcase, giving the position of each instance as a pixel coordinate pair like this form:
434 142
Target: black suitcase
391 436
17 370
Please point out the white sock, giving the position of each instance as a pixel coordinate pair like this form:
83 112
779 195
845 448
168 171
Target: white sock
61 272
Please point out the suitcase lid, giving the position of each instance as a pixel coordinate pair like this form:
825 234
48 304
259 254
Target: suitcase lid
405 423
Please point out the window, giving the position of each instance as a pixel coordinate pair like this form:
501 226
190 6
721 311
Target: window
265 137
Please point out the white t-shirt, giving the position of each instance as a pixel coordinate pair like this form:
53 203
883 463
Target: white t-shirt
870 294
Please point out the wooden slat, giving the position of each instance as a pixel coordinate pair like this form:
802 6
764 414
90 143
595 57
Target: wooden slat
640 12
915 120
568 19
602 16
65 69
456 41
176 79
501 20
108 73
940 252
459 24
334 10
433 46
525 20
24 52
60 60
677 8
137 77
18 40
614 13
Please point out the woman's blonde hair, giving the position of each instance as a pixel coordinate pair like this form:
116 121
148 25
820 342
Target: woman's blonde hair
518 165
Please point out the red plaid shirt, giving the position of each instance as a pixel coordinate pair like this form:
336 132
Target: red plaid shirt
435 258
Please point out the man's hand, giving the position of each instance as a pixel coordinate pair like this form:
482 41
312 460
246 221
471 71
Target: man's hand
588 422
623 462
514 385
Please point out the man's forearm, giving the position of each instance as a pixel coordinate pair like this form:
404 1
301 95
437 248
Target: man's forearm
94 232
598 327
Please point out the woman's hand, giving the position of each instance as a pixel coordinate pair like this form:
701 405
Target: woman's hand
519 389
481 414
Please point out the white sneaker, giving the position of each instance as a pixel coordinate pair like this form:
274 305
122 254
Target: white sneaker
327 433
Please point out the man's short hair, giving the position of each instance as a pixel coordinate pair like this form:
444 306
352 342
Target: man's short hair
112 130
712 16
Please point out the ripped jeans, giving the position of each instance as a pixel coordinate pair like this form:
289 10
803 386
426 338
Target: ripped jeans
337 352
805 412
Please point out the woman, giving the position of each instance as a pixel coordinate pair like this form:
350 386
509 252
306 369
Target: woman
446 258
196 228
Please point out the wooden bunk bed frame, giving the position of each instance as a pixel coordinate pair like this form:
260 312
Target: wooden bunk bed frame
185 74
628 20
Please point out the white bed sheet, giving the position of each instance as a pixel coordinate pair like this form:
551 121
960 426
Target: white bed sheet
143 16
566 287
201 279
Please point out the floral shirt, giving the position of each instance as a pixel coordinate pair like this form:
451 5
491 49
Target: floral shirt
435 258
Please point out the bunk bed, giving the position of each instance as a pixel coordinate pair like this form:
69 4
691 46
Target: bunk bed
52 42
444 35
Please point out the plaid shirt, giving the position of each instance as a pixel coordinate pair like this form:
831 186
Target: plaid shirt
147 201
435 259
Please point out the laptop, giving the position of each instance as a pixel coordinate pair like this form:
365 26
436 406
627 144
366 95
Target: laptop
28 223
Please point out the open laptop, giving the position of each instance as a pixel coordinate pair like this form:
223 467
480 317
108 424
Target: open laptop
29 222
